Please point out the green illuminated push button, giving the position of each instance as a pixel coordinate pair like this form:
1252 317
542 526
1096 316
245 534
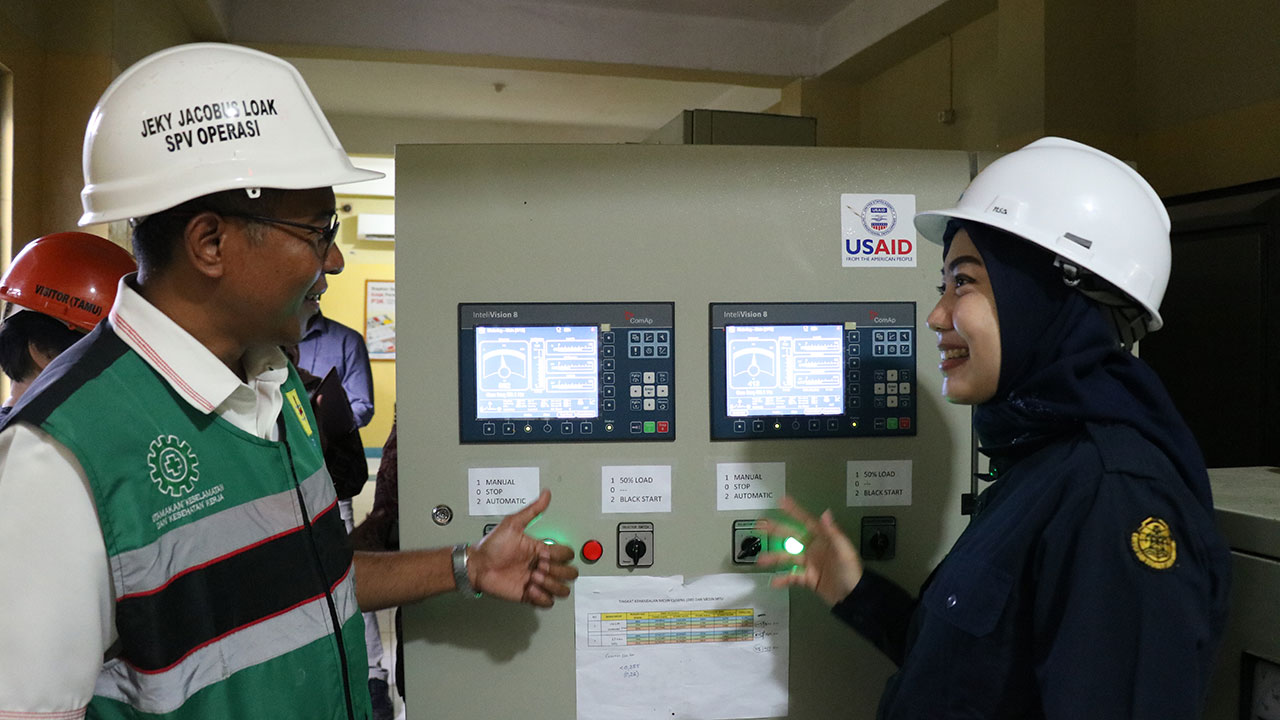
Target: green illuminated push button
891 423
650 426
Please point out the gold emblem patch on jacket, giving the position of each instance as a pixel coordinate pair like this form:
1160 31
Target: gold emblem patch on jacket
1153 544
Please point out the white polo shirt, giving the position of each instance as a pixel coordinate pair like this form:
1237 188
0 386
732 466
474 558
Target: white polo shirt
57 614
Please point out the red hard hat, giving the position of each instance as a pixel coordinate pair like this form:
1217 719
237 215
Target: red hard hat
71 276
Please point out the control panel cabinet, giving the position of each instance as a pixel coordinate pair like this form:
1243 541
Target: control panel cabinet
686 315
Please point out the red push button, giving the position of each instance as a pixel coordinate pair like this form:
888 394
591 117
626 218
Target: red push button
663 426
592 550
904 423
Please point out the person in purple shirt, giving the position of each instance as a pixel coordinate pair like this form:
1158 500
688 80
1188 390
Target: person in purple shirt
330 344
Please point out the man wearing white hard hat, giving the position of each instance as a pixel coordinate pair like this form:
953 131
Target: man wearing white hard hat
1091 582
200 568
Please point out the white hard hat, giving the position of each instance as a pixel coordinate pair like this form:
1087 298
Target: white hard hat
1094 212
201 118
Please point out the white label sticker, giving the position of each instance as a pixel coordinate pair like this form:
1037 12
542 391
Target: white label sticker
878 482
635 488
877 230
501 491
750 486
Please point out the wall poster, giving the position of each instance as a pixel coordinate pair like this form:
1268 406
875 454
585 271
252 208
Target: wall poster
380 319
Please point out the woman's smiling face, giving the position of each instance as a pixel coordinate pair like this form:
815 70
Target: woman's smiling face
967 326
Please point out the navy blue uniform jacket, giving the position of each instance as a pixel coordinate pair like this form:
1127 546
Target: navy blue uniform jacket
1064 598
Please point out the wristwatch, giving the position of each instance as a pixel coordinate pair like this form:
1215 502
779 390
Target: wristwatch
460 577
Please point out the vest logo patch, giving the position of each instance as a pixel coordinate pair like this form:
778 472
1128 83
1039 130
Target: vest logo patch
1153 544
174 466
296 402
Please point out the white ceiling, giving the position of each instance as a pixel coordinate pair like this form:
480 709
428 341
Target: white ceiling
603 70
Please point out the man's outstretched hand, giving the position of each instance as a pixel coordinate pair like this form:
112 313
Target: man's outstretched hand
509 564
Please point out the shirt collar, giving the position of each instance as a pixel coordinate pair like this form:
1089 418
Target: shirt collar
316 327
193 372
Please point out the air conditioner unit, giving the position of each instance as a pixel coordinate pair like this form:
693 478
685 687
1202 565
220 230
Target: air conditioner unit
376 226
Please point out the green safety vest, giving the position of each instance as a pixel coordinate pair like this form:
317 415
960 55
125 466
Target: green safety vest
226 592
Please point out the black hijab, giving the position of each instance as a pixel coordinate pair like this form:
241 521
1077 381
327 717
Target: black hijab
1060 365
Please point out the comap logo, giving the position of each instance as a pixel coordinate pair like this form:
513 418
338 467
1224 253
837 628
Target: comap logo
174 467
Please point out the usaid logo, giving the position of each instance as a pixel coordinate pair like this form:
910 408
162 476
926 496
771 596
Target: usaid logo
876 230
881 247
879 217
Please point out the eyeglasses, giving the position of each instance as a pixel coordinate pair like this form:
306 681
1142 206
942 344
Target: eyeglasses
326 234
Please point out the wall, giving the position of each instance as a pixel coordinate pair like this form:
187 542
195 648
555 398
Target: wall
834 103
75 74
1188 91
61 62
1088 83
22 51
141 27
1208 93
900 106
344 302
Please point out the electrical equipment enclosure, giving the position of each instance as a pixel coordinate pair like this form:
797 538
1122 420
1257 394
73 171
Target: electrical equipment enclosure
1247 506
688 228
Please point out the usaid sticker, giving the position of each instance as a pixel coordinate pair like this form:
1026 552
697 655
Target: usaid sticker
877 230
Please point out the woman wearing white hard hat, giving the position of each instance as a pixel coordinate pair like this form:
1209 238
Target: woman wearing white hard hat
206 573
1091 582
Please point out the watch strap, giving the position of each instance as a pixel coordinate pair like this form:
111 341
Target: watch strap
460 577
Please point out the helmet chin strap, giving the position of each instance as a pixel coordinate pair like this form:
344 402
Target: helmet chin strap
1128 324
1128 321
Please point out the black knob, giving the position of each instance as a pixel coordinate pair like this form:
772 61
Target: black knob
635 549
879 545
750 547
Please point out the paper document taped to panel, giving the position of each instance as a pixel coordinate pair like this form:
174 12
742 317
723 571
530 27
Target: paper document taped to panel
657 647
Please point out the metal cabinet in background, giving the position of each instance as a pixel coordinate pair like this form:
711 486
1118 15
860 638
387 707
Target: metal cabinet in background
1246 682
